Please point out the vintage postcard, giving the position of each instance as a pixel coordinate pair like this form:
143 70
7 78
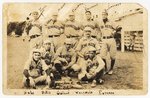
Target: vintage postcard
75 49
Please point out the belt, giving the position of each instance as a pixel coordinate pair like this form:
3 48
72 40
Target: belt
34 36
54 36
71 36
107 37
93 36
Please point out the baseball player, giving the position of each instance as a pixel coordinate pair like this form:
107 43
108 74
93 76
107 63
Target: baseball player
33 28
72 28
54 29
84 43
93 69
108 29
89 22
65 57
47 51
35 70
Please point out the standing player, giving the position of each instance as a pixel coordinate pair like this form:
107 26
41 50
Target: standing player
109 44
72 28
54 30
89 22
34 30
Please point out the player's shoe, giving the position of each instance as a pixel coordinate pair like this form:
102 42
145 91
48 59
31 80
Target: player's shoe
78 86
93 84
46 87
110 72
100 81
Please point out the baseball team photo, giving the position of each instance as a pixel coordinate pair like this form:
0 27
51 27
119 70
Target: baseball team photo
74 46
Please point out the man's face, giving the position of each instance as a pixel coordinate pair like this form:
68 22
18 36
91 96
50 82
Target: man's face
36 56
68 46
47 46
87 33
35 15
91 54
104 15
88 16
71 17
54 17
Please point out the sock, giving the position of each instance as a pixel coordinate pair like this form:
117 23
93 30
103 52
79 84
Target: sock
112 64
105 64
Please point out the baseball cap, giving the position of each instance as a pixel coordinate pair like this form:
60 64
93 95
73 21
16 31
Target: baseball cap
91 49
88 29
105 12
68 41
47 41
35 50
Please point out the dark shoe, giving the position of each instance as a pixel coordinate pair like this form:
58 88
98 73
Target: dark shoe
34 87
100 81
28 82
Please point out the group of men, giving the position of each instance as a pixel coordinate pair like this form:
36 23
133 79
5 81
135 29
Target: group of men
63 49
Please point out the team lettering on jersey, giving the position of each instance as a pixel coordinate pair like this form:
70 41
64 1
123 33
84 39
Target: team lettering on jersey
54 26
88 44
72 26
107 26
91 26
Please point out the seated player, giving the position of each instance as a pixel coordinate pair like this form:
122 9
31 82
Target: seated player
92 68
35 70
47 52
65 58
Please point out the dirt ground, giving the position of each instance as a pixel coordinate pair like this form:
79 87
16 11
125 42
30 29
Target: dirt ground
127 71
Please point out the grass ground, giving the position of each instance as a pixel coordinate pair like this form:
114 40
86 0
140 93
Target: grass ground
127 71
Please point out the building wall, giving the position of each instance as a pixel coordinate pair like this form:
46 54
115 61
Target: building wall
132 24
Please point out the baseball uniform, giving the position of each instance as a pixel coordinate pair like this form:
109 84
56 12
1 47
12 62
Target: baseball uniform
72 30
33 29
65 58
53 30
93 25
108 41
34 71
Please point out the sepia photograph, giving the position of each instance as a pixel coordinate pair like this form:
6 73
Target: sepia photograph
75 49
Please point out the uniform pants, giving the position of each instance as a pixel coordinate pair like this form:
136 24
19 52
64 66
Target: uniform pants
108 45
36 42
96 77
34 81
57 41
81 67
